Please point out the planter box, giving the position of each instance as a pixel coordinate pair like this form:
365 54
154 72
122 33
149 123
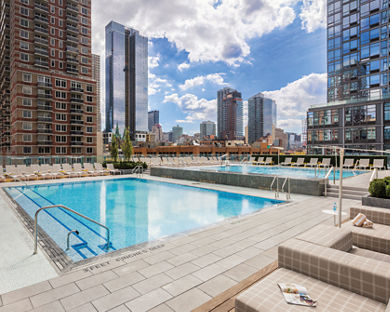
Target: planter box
376 202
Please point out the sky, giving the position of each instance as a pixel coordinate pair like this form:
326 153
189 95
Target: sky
196 47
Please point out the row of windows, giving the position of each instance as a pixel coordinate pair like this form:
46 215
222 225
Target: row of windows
352 135
84 40
59 150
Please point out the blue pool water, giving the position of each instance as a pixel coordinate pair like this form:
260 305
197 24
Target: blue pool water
283 171
136 211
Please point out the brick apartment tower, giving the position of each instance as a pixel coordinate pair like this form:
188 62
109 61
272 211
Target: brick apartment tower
47 93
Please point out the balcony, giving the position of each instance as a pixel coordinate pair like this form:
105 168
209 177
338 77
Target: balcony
76 143
42 130
72 60
41 52
41 18
41 7
44 84
72 18
72 29
73 39
71 49
76 111
41 64
44 107
76 132
72 8
76 122
41 41
41 30
44 142
44 118
76 100
44 96
76 90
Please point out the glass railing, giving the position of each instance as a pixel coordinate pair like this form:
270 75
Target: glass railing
369 98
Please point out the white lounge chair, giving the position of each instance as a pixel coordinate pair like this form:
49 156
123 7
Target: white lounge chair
300 162
287 161
268 161
30 172
112 169
378 164
363 164
16 173
313 162
100 170
260 161
68 170
325 163
88 168
349 163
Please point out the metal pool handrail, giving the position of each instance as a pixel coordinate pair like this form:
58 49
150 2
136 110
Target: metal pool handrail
71 210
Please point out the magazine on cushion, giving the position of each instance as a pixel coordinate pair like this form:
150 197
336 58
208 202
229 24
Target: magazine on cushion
296 294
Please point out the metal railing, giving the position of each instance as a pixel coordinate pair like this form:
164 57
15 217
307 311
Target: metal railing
327 179
374 175
70 210
139 170
288 194
275 179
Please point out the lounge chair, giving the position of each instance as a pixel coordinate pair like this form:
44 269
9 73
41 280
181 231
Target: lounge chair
378 164
259 161
300 162
313 162
78 169
30 172
16 173
100 170
46 171
112 169
363 164
268 161
88 167
325 163
68 170
287 161
349 163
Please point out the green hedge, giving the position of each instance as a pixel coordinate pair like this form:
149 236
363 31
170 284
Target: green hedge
127 164
380 188
320 157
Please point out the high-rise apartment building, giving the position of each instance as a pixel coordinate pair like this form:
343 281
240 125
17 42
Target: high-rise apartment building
261 117
357 114
153 119
126 79
177 132
230 114
96 77
47 93
207 129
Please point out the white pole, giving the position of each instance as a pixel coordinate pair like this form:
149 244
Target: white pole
341 162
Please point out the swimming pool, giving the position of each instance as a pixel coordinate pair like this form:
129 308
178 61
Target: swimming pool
136 211
282 171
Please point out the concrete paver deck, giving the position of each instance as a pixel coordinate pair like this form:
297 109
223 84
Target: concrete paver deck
179 273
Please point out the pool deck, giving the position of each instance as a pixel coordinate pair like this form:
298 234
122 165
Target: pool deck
178 273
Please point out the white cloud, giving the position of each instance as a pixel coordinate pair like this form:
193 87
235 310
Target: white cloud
201 80
313 14
183 66
196 109
207 32
153 61
294 99
156 83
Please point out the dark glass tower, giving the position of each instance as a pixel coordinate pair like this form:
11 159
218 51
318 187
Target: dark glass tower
126 79
230 114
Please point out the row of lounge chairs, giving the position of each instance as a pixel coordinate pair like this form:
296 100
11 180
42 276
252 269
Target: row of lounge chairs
181 161
349 163
35 172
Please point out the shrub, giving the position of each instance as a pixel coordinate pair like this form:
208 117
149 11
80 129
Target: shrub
377 188
388 191
387 180
127 164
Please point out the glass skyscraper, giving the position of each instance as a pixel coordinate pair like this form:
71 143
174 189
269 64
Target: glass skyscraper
230 114
357 114
126 79
261 117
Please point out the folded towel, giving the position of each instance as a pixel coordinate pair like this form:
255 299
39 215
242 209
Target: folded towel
368 224
359 220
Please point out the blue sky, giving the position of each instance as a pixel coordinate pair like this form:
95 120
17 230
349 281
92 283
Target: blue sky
273 46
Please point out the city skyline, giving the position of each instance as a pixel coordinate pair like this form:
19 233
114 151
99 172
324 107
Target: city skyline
183 79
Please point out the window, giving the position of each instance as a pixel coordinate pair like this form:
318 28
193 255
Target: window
61 138
60 83
89 139
24 11
43 150
24 57
89 98
89 88
27 149
24 22
61 117
84 40
84 60
89 119
61 105
89 150
26 102
60 22
89 109
27 90
84 21
24 1
61 128
27 77
24 45
24 34
52 20
89 129
60 95
27 126
27 137
27 114
52 31
61 65
52 52
60 150
84 11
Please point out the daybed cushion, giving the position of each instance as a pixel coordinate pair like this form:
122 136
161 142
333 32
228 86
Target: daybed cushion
328 236
266 296
375 239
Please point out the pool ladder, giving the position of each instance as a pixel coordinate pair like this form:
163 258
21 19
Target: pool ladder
286 181
138 170
107 247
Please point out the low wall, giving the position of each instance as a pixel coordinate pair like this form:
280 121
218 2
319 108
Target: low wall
305 186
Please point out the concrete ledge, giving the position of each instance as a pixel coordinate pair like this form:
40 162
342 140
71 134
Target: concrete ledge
314 187
376 202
